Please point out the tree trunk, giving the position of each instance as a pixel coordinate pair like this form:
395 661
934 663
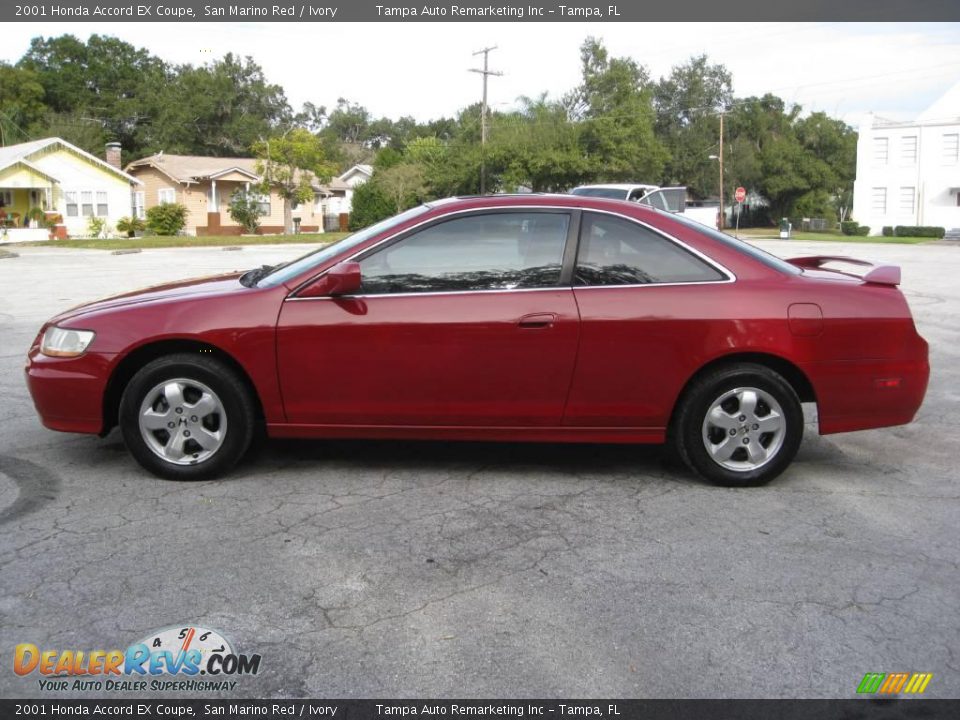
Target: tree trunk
287 216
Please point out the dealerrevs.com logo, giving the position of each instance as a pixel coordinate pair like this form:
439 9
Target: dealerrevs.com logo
171 659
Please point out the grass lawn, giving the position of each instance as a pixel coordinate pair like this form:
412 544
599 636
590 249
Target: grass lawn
774 234
186 241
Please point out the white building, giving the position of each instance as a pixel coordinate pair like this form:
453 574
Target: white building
52 182
357 175
908 173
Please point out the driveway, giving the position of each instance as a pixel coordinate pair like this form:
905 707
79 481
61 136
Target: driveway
389 569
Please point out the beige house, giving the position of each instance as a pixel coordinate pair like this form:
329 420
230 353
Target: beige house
204 186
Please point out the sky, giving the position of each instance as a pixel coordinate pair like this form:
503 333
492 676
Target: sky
895 70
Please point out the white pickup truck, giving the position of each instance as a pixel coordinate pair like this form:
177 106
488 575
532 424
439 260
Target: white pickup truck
672 199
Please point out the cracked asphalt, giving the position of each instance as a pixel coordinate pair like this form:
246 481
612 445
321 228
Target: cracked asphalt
393 569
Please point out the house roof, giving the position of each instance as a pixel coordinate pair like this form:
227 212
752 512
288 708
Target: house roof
359 169
29 165
198 168
23 152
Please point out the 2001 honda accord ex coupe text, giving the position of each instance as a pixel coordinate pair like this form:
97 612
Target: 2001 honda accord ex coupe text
522 318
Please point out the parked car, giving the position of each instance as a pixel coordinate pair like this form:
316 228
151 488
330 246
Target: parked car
615 191
670 199
512 318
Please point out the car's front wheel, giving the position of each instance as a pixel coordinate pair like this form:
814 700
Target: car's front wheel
740 425
185 417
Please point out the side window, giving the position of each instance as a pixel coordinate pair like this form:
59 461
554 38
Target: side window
492 251
614 251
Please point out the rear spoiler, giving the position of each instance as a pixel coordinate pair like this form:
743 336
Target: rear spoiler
877 275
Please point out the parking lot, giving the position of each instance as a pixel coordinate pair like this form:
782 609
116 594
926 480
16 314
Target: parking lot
391 569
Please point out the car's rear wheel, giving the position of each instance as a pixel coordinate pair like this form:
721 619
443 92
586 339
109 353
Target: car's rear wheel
739 426
185 417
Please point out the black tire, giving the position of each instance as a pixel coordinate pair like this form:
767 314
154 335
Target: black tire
691 434
236 409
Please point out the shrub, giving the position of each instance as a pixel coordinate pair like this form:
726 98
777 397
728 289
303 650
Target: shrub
849 227
246 210
370 204
919 231
863 230
96 226
887 231
131 226
166 219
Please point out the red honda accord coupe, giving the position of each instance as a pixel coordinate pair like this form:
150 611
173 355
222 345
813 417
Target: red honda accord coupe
522 318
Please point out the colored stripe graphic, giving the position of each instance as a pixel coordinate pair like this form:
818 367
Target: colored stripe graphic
871 682
894 683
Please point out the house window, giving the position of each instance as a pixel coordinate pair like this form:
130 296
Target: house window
950 145
908 150
6 198
878 200
907 196
881 150
86 203
73 210
138 202
166 195
263 201
102 210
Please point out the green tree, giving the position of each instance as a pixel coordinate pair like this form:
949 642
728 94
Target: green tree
220 109
833 143
370 205
538 147
614 103
106 79
688 102
290 164
21 103
403 184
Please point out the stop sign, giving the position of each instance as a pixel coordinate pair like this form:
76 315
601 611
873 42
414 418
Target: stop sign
740 194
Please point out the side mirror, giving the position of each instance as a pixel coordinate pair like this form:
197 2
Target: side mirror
342 279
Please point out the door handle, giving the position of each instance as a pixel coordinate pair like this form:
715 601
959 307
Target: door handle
536 321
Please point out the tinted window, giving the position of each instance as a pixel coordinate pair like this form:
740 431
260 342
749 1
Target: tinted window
739 245
614 251
282 273
491 251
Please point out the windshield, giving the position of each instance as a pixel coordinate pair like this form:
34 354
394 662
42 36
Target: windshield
746 248
282 273
614 193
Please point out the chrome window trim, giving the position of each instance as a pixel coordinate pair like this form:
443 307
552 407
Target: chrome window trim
554 288
730 277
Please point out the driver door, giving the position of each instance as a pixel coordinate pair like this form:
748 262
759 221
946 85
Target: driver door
463 322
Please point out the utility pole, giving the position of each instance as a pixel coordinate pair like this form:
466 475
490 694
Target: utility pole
486 72
723 217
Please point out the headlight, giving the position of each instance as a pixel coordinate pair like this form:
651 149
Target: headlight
64 342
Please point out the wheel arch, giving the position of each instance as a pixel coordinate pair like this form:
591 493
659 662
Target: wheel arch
790 372
140 356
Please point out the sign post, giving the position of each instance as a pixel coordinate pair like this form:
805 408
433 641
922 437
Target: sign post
740 194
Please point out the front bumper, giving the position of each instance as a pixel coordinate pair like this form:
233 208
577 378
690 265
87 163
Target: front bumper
68 393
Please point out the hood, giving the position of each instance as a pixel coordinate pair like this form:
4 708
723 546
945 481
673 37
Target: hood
210 285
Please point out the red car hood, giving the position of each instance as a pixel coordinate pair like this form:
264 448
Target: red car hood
210 285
